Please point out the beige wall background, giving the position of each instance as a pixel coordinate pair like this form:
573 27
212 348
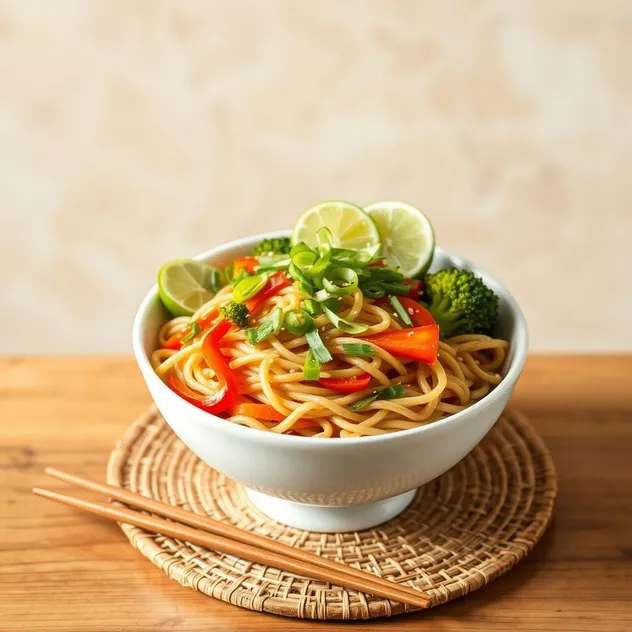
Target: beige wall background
133 132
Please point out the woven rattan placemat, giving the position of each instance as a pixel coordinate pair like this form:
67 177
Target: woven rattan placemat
463 529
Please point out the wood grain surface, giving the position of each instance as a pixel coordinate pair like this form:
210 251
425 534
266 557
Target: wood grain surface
65 570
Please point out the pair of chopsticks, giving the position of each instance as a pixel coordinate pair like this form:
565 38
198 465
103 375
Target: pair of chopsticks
225 538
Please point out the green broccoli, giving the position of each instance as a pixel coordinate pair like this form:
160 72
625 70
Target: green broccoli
275 246
236 313
460 302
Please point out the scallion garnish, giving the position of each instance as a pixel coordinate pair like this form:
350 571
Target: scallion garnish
358 349
346 326
389 392
311 368
195 329
298 321
248 287
401 312
312 307
340 281
216 280
316 344
268 326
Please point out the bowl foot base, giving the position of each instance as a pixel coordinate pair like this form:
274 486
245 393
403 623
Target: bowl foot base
330 519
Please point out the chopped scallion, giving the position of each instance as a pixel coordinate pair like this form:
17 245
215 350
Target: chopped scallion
249 286
195 329
311 368
358 349
268 326
298 321
389 392
401 312
316 344
345 325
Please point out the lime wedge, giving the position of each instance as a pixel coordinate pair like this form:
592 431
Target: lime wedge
183 285
408 239
350 226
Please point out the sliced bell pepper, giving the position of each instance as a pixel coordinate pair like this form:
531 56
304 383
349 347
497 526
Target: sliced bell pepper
415 343
249 264
227 393
274 285
418 313
263 412
175 341
346 384
414 288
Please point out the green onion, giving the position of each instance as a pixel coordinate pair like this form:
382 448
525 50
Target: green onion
344 325
324 236
396 288
312 307
311 368
389 392
304 259
298 275
298 321
322 295
315 342
306 289
216 280
332 303
373 290
339 281
243 274
228 271
383 273
358 349
268 326
401 312
272 264
300 247
195 330
361 257
249 286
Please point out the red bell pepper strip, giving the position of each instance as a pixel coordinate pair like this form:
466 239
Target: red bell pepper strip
274 285
175 341
346 384
414 288
227 393
249 264
415 343
419 315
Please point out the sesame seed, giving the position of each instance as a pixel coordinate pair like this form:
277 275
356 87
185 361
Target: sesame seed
292 370
459 358
411 311
477 361
496 374
411 333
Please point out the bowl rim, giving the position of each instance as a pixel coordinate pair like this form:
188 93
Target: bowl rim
520 347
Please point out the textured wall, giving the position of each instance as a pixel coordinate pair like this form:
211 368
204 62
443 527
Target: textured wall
133 132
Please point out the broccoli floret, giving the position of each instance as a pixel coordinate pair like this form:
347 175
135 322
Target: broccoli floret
236 313
276 246
460 302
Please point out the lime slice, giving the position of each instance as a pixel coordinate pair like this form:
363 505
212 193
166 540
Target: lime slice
408 239
350 226
183 285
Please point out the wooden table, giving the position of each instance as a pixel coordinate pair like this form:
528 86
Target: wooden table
64 570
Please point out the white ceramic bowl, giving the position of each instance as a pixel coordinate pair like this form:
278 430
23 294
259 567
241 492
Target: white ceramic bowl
331 484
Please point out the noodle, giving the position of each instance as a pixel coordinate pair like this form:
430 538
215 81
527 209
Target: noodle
272 372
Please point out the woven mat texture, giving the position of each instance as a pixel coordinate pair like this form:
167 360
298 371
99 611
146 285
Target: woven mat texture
464 529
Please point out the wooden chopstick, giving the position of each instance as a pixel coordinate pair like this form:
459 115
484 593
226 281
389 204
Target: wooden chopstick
226 530
225 545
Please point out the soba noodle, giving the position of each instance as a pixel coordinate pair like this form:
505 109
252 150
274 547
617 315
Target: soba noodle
271 373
